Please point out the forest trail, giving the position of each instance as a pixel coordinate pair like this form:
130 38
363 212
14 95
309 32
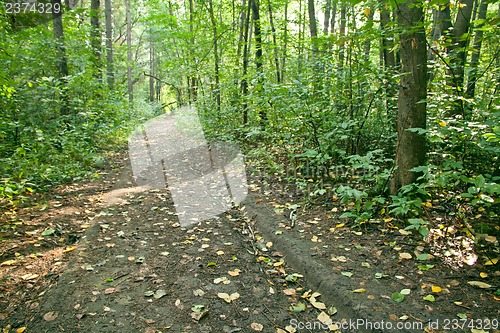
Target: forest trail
136 268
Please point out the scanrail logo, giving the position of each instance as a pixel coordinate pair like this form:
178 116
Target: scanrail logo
204 179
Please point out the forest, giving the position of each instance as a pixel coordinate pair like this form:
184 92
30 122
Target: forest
389 109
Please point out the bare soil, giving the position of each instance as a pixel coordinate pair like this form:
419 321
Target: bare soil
114 258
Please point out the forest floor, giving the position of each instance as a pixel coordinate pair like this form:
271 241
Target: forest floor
110 256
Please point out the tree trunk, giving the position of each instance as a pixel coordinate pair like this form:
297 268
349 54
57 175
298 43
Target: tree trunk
151 67
246 48
457 53
368 41
95 37
333 17
216 90
258 55
387 42
411 146
342 33
285 42
275 43
313 29
62 63
109 44
476 52
326 22
129 52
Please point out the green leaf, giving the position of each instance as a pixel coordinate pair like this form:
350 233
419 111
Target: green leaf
398 297
48 232
423 256
425 267
429 298
300 307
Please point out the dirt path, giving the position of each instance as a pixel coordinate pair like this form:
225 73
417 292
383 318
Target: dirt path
134 268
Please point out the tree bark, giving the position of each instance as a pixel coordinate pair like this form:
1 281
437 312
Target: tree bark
62 63
108 9
216 90
258 55
246 48
275 43
387 42
129 52
476 52
342 33
95 37
313 28
326 22
411 146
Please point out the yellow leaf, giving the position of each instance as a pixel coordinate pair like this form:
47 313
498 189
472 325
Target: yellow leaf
9 263
324 318
427 204
483 275
234 272
317 305
367 11
220 253
279 263
69 249
442 123
361 290
436 289
21 329
229 298
340 225
491 262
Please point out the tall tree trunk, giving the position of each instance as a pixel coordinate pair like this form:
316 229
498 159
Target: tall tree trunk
411 146
275 43
129 52
95 37
151 67
342 33
216 90
285 42
313 29
326 22
333 17
192 79
457 52
368 42
62 63
387 42
476 52
441 26
246 51
258 55
108 9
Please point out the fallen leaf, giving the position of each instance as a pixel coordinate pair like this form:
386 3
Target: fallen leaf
69 249
398 297
324 318
483 275
429 298
9 263
223 280
21 329
49 316
198 292
405 292
317 305
436 289
159 293
404 255
290 292
220 253
229 298
298 308
479 284
491 262
348 274
199 315
109 291
256 327
234 272
27 277
361 290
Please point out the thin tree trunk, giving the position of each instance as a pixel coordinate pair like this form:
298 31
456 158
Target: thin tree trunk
457 52
368 41
313 29
151 67
216 91
109 44
476 53
333 17
192 80
258 54
387 39
342 33
326 22
129 52
62 63
95 37
275 43
411 146
285 42
246 48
